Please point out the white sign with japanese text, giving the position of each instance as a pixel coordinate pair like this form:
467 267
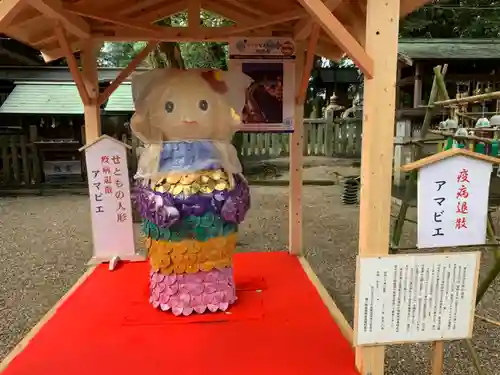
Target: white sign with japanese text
453 202
413 298
110 204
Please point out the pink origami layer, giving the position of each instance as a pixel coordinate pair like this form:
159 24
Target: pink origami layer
193 292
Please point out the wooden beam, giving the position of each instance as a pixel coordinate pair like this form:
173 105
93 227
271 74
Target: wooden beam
194 17
329 51
327 299
156 14
306 73
127 71
9 9
73 65
303 28
437 357
269 21
174 34
54 51
92 111
226 12
114 19
382 22
339 35
144 5
148 11
295 231
27 15
247 8
53 9
151 32
408 6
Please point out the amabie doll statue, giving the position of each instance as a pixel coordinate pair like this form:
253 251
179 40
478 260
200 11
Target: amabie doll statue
190 192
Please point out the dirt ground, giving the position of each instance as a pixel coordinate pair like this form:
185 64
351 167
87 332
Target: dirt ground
46 241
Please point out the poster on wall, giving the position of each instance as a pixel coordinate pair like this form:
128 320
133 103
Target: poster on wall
270 93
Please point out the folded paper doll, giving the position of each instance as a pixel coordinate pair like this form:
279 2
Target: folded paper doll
190 191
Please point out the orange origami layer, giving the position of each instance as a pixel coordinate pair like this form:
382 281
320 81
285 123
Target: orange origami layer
191 256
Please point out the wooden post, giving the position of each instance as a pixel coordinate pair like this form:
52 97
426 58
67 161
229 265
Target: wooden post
417 89
33 137
90 77
382 22
296 162
329 135
402 154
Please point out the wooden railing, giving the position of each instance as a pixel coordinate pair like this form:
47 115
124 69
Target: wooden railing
340 138
20 164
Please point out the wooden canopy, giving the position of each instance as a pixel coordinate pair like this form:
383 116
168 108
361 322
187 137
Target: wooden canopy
33 22
366 30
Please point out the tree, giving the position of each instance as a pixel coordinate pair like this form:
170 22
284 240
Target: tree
172 54
454 19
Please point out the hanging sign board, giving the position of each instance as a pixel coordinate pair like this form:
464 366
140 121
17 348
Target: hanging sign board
413 298
110 204
453 190
270 95
453 202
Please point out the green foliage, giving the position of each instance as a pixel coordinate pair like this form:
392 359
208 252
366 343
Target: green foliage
118 54
195 55
454 19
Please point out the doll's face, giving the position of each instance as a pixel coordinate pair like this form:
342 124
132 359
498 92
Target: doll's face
188 108
185 105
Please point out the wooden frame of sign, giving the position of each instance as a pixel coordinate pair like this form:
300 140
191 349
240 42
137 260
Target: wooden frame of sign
110 203
269 63
408 298
452 202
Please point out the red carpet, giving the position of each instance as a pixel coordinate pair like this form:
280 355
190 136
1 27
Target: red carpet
278 326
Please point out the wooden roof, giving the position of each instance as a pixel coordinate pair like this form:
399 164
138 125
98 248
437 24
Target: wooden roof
33 21
450 49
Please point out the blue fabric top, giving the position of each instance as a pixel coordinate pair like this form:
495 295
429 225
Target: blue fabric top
188 156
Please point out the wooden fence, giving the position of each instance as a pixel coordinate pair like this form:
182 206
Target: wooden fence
19 161
321 138
21 166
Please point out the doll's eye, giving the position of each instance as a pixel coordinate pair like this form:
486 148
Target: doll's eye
203 104
169 106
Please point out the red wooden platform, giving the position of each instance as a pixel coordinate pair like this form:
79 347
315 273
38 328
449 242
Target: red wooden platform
106 326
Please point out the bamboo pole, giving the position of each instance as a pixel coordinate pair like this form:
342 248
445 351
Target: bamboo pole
468 99
488 320
440 83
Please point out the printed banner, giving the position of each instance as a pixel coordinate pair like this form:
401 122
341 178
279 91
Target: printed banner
270 96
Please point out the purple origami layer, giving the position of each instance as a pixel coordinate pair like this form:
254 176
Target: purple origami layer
165 209
237 203
193 292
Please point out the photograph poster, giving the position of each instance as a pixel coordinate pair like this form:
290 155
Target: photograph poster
270 93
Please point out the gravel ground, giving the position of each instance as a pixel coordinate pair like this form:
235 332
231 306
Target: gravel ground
46 241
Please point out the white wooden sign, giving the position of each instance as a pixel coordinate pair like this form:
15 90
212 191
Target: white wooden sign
270 95
453 202
110 204
413 298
